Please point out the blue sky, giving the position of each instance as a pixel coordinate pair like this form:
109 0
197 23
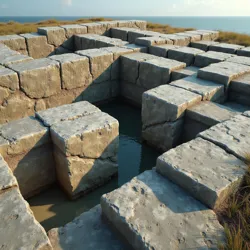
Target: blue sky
124 7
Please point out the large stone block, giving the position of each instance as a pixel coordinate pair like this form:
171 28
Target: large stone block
86 41
226 48
74 29
177 40
19 58
161 50
182 73
153 213
121 33
214 33
239 59
149 41
9 79
203 45
203 169
95 28
55 35
241 85
192 37
14 42
39 78
205 36
109 25
244 52
134 34
136 48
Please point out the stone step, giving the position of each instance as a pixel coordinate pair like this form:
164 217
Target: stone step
88 231
153 213
150 41
161 50
244 52
240 60
203 45
226 48
182 73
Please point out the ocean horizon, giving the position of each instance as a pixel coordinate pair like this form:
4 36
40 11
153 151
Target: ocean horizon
233 23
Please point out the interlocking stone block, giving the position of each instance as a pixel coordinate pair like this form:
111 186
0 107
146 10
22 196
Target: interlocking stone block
177 40
231 135
14 42
140 24
109 25
149 41
203 169
244 52
88 231
121 33
223 72
155 72
192 37
7 61
205 36
203 45
153 213
74 29
184 54
95 28
103 41
39 78
8 79
55 35
182 73
100 63
134 34
75 70
136 48
241 84
161 50
86 41
226 48
208 90
239 59
214 34
205 59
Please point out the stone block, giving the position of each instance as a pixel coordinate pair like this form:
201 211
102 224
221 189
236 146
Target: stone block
192 37
61 50
156 72
16 218
134 34
205 36
8 79
136 48
95 28
86 41
241 85
140 24
231 135
37 45
203 45
149 41
153 213
121 33
223 72
239 59
236 107
239 98
177 40
20 58
103 41
109 25
205 59
74 29
88 231
39 78
226 48
182 73
203 169
100 64
14 42
244 52
208 90
161 50
184 54
214 34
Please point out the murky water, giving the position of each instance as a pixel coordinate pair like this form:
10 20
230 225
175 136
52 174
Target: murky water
52 208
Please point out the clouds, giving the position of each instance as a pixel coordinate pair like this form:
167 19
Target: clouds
67 2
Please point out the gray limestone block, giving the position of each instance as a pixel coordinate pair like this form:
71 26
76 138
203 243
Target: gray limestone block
16 218
208 90
87 231
184 54
177 40
244 52
203 169
66 112
214 33
95 28
55 35
226 48
166 103
161 50
231 135
7 61
7 179
205 36
9 79
192 37
241 85
239 98
223 72
126 23
203 45
74 29
37 45
14 42
239 59
87 41
91 136
134 34
39 78
153 213
149 41
121 33
4 53
140 24
236 107
75 70
182 73
103 41
156 72
109 25
62 50
205 59
100 63
136 48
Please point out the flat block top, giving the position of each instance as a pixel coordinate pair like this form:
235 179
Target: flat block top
134 46
92 24
231 135
208 43
19 58
139 57
91 53
191 35
166 63
226 46
187 50
216 55
73 26
47 29
239 59
11 37
188 70
5 71
69 57
165 46
32 35
153 213
66 112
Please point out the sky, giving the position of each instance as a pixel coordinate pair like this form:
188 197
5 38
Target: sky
124 7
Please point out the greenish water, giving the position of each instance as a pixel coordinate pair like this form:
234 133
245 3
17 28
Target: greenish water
52 208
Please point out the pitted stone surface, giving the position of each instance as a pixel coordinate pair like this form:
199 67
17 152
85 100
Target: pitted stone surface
161 50
121 33
7 61
14 42
95 28
149 41
239 59
88 231
226 48
208 90
155 72
86 41
231 135
184 54
241 84
192 36
182 73
177 40
92 136
244 52
74 29
17 220
214 34
153 213
166 103
203 169
66 112
203 45
56 35
206 36
39 78
205 59
8 79
223 72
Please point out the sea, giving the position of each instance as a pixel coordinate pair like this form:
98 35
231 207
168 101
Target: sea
235 24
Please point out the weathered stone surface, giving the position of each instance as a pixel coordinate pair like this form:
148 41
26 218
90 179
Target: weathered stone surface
192 37
177 40
136 48
7 179
203 169
184 54
75 70
8 79
205 59
86 41
121 33
166 103
14 42
66 112
37 45
95 28
149 41
223 72
61 50
244 52
203 45
231 135
182 73
88 231
153 213
214 33
55 35
161 50
155 72
206 36
39 78
241 84
208 90
226 48
134 34
239 98
16 218
92 136
103 41
74 29
100 63
236 107
7 61
239 59
109 25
